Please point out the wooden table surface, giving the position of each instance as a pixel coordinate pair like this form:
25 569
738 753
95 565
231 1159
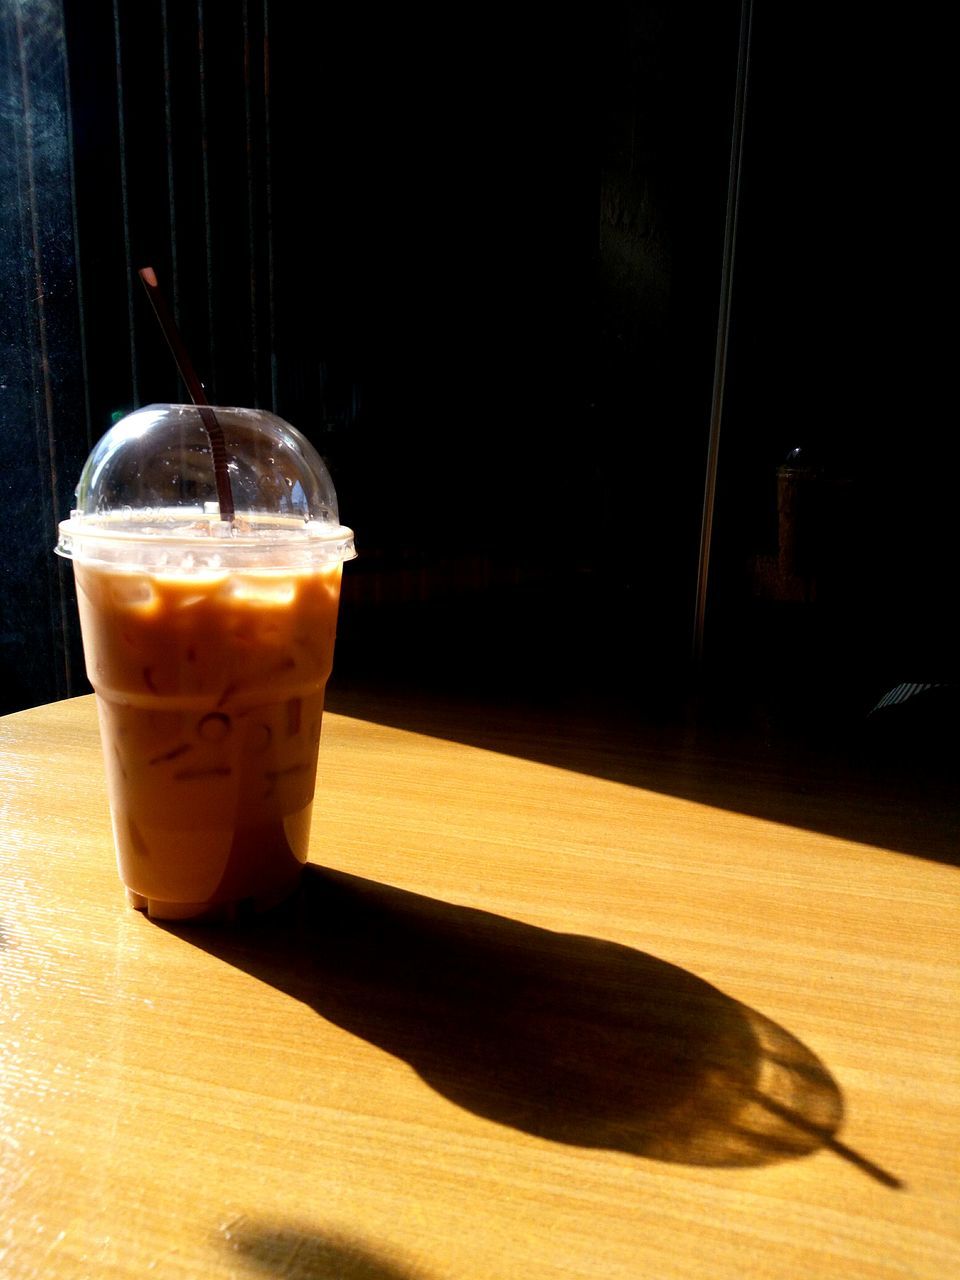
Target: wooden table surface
565 1005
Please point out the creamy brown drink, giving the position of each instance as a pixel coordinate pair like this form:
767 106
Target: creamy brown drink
210 694
209 648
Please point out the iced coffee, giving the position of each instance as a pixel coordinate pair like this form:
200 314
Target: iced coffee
209 646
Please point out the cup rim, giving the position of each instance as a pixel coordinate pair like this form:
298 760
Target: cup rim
207 535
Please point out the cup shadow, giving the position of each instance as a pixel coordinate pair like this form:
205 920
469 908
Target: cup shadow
571 1038
305 1253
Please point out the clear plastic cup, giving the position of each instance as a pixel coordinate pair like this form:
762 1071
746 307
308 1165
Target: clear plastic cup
208 643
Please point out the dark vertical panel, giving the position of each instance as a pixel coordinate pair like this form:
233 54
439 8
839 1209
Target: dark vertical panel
731 218
266 247
185 141
666 96
144 157
78 274
125 210
205 150
102 265
227 203
253 228
42 417
174 281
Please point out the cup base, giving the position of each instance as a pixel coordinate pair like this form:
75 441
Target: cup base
209 912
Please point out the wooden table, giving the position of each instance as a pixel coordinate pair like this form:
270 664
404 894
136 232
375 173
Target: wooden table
572 1004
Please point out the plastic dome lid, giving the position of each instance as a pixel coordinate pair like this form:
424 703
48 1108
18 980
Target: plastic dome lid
151 480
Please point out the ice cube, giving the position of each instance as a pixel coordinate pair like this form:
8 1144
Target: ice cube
265 590
133 591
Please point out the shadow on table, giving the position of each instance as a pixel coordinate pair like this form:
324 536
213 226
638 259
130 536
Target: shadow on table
567 1037
304 1253
839 790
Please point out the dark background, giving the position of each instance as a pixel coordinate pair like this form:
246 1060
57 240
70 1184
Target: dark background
475 256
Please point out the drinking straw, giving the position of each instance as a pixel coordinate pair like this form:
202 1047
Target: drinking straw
195 387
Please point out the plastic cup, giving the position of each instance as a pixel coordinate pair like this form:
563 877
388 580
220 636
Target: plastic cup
208 644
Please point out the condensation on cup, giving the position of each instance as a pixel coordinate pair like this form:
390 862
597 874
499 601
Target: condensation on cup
208 643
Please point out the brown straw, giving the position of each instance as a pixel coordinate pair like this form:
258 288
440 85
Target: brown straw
212 427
